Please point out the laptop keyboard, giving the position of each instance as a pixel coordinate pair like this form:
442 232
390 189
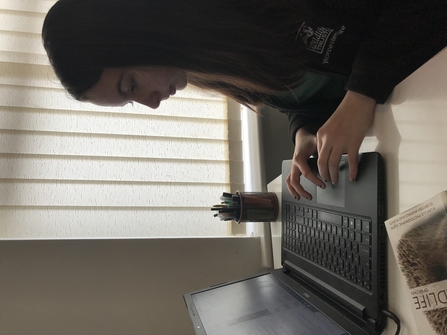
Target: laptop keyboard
341 244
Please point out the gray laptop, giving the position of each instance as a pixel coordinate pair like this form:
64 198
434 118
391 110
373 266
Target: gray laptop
333 276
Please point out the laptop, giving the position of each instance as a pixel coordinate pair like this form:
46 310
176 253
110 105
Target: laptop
333 277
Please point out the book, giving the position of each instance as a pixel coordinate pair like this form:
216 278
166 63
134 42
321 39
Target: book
418 238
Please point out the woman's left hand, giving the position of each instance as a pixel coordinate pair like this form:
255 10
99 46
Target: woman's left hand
344 133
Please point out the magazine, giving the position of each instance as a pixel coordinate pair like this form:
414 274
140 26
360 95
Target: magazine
418 237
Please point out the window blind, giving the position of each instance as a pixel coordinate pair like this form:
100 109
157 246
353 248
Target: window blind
71 169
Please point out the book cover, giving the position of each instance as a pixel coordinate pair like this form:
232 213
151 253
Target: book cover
418 237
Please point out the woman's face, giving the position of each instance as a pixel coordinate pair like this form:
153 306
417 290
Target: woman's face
145 85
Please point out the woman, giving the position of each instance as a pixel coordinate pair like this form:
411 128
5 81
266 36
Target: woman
326 63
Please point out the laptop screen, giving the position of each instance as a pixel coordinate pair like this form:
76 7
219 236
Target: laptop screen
260 305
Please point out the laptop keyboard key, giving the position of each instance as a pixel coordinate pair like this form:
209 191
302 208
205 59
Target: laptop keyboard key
365 251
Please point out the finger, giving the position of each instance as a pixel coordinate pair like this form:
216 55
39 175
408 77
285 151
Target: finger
291 189
294 182
300 191
353 162
322 163
295 188
307 173
299 171
334 166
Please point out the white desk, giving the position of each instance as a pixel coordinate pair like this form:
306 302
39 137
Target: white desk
410 131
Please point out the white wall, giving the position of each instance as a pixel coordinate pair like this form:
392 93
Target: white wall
113 286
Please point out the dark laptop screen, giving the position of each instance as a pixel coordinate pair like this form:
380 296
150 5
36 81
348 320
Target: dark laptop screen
260 305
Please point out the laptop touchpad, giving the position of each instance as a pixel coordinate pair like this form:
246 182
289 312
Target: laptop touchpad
334 194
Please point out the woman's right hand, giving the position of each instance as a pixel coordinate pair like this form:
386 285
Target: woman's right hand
305 146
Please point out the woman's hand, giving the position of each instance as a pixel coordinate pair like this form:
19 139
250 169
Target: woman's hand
344 133
305 146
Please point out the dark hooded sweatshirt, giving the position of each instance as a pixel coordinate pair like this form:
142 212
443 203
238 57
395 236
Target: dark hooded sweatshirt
363 46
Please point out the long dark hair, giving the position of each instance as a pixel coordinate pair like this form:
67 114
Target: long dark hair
245 49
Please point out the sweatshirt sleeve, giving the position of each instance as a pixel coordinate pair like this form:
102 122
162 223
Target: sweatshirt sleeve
313 112
403 39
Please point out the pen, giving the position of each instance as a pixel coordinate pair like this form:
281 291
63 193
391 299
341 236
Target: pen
229 208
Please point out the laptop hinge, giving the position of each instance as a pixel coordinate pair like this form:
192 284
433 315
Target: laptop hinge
339 298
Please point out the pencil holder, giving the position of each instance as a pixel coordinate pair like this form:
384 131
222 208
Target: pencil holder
258 207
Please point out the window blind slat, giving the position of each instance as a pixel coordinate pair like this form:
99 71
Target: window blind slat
22 58
74 194
20 21
108 146
21 42
107 123
38 167
33 6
